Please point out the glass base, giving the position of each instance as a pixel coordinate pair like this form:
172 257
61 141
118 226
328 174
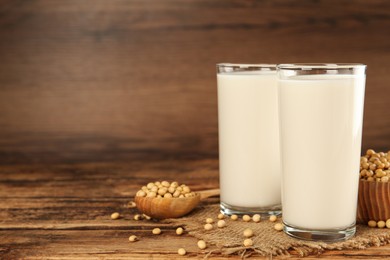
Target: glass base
329 235
227 209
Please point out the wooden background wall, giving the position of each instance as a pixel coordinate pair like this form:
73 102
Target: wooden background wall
118 79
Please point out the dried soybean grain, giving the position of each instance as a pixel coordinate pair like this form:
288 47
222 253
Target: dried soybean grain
221 223
156 231
137 217
164 189
233 217
246 218
273 218
248 242
146 217
388 223
202 244
375 166
208 226
381 224
131 204
179 231
181 251
256 218
372 223
151 194
115 215
248 232
278 227
209 220
168 195
141 193
133 238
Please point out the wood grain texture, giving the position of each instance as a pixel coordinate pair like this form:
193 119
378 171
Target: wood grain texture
139 76
63 212
373 201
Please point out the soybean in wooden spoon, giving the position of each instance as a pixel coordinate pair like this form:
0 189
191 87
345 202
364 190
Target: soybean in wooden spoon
163 208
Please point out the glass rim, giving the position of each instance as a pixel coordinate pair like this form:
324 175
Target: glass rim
320 66
246 65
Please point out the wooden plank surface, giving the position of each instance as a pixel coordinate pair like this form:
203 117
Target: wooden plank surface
140 74
63 211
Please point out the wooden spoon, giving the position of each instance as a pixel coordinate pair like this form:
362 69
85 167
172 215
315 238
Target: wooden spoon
162 208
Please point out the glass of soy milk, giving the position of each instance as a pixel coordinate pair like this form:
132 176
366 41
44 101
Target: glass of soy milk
248 139
321 115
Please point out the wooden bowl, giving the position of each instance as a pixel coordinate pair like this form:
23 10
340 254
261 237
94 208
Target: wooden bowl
373 201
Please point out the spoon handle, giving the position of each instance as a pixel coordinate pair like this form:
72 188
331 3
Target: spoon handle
204 194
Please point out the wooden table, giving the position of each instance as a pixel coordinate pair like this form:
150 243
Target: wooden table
62 211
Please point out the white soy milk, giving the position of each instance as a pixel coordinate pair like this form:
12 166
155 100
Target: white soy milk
321 129
249 139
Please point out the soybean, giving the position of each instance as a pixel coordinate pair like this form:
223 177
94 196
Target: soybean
179 231
156 231
273 218
248 242
256 218
133 238
381 224
372 223
248 232
209 220
202 244
115 215
278 227
221 223
181 251
246 218
208 226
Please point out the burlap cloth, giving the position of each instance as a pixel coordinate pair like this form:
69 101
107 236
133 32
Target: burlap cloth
267 241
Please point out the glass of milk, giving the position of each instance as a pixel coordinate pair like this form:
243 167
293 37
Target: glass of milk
321 115
248 139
